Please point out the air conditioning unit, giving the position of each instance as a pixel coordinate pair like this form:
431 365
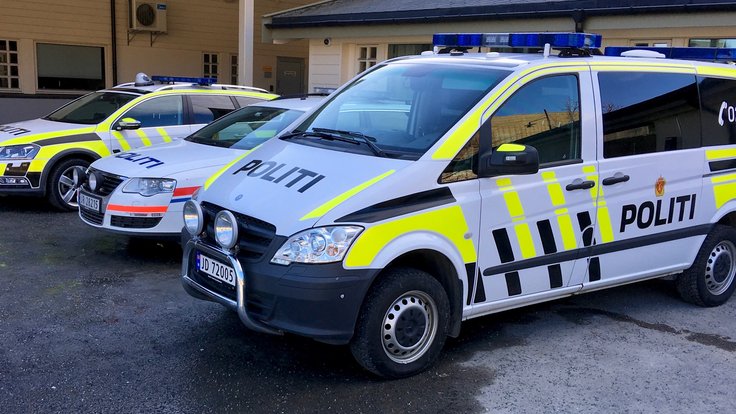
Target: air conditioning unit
147 16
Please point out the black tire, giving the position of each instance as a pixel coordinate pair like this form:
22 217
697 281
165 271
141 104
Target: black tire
402 325
710 280
60 189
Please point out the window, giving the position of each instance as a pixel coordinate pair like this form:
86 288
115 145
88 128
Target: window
407 50
245 101
92 108
70 67
368 57
462 167
712 42
718 97
545 114
234 69
9 65
648 112
209 65
208 108
162 111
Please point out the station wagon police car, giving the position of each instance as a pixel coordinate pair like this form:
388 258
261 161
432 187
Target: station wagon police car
142 192
40 157
512 179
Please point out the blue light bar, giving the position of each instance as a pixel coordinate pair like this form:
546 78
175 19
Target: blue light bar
556 40
708 54
198 81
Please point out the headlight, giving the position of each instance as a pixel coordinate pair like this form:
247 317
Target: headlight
319 245
193 217
26 151
150 186
226 229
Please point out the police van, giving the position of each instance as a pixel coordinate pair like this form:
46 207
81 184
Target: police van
489 181
41 156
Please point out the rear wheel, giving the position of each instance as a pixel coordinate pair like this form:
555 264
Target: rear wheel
403 324
62 193
710 280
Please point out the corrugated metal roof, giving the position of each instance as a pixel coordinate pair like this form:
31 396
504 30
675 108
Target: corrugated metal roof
351 12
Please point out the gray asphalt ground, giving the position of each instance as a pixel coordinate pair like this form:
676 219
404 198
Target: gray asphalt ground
95 322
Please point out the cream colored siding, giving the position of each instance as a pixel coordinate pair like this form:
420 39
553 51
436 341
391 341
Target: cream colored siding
324 64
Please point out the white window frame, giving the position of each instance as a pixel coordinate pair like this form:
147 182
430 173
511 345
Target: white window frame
7 65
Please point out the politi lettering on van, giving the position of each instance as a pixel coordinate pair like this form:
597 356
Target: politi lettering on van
140 159
652 213
276 173
727 112
13 130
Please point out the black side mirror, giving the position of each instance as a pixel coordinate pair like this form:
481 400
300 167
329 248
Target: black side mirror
509 159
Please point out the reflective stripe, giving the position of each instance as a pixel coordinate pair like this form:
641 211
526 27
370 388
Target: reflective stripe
121 140
144 138
510 148
526 243
164 135
137 209
324 208
724 189
448 222
182 191
723 178
564 222
48 152
569 241
725 71
214 176
47 135
720 154
602 216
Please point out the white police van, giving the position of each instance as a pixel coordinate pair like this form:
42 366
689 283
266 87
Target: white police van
41 157
490 181
142 192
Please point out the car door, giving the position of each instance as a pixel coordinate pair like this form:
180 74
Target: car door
161 119
650 169
534 228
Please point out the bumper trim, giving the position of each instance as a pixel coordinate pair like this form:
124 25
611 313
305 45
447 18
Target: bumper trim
199 291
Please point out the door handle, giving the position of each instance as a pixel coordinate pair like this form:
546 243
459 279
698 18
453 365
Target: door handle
579 184
617 178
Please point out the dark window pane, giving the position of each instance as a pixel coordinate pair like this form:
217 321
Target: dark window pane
13 45
648 112
3 70
208 108
544 114
14 83
3 58
214 58
4 83
3 45
244 101
13 58
13 71
206 58
719 114
163 111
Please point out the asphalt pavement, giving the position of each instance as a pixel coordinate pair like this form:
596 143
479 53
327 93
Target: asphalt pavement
97 322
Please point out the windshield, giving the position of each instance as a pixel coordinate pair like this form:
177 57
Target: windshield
92 108
402 108
246 128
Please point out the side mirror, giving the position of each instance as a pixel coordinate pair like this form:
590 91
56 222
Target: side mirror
509 159
128 123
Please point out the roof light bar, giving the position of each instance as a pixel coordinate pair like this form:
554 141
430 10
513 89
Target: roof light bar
709 54
198 81
556 40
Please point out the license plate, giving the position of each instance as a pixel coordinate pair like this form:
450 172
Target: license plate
215 269
87 202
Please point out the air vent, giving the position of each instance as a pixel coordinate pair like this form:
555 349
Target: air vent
147 16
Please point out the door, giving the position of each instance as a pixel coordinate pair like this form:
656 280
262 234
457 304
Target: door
289 75
162 119
651 169
535 228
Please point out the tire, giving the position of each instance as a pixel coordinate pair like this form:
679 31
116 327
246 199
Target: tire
61 192
710 280
402 325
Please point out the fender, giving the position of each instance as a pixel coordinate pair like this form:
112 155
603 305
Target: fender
70 153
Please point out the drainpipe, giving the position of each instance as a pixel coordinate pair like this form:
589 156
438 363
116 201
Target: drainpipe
114 45
578 16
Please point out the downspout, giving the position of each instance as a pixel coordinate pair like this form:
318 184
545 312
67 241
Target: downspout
578 16
114 45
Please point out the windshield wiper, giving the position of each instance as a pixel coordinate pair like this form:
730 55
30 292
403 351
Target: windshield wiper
361 137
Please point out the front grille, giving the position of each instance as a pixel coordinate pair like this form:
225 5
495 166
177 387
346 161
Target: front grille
134 222
109 182
254 235
92 216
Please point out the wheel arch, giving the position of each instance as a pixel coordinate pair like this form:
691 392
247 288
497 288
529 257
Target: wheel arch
85 154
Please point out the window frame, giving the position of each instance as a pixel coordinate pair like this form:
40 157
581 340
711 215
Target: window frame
9 65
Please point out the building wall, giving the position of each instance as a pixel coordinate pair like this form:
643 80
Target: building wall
194 27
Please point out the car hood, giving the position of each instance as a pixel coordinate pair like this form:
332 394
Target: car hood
39 129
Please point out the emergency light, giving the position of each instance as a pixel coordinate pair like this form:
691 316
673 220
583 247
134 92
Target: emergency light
198 81
554 39
709 54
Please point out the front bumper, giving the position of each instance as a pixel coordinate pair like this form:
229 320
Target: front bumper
317 301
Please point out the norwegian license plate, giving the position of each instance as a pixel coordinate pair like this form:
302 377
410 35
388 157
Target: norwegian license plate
215 269
88 202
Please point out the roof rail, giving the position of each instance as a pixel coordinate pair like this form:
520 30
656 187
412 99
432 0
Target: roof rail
246 88
707 54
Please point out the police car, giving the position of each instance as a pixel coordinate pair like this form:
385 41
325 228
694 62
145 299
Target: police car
511 179
142 192
40 157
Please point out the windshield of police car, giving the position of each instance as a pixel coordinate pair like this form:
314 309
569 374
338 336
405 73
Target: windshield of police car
402 107
92 108
246 128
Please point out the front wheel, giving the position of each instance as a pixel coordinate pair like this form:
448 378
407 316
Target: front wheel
710 280
62 193
402 325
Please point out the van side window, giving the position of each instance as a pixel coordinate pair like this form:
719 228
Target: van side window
647 112
718 98
545 114
461 167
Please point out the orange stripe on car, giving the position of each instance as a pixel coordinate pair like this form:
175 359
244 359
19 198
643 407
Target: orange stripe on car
137 209
183 191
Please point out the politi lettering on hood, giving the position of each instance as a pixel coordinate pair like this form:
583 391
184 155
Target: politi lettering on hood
13 130
140 159
279 173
